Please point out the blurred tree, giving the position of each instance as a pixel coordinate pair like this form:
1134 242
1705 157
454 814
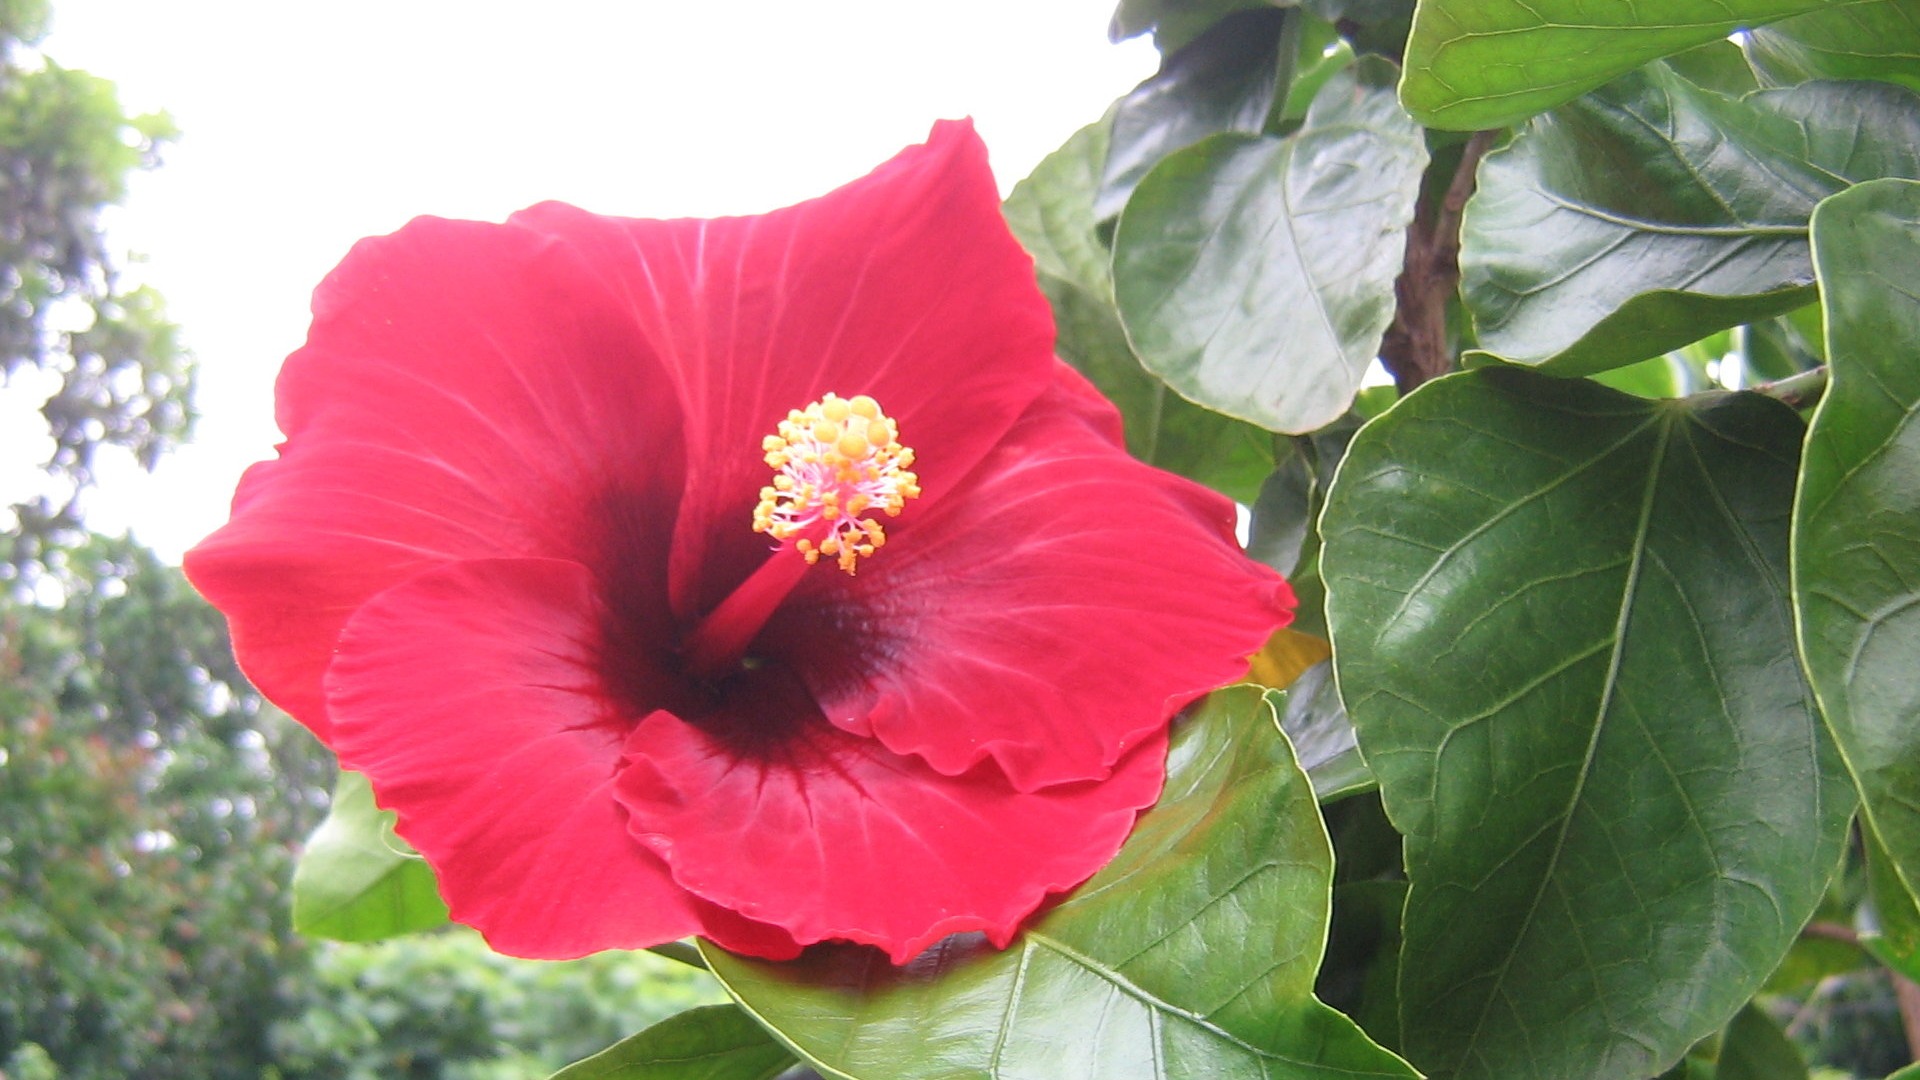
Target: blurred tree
443 1006
121 377
150 806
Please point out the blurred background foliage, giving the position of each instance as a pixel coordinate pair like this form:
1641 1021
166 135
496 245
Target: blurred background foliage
151 804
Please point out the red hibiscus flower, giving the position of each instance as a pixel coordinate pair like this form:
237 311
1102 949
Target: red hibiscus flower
762 578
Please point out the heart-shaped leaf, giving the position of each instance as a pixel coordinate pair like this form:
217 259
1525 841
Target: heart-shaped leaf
1489 63
1051 212
1255 274
1652 212
357 880
713 1042
1561 626
1856 558
1192 954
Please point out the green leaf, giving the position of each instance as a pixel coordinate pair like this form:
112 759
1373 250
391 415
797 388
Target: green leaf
1281 530
1691 1067
1561 624
1877 40
1317 726
1856 556
1660 377
1490 63
1370 26
357 880
1175 23
1192 954
1319 53
713 1042
1754 1048
1779 348
1051 212
1719 66
1225 81
1255 274
1890 920
1650 213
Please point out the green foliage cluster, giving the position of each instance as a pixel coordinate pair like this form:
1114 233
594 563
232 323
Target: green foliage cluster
150 808
445 1007
67 150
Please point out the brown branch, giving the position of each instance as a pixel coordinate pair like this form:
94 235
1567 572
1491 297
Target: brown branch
1831 932
1416 348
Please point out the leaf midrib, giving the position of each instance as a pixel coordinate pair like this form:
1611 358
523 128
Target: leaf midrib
1667 423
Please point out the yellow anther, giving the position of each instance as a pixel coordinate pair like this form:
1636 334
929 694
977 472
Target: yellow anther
834 461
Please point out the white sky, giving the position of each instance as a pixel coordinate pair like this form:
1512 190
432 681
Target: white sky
308 126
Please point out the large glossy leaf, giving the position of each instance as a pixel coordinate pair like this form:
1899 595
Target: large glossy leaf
1225 81
357 880
1652 212
1490 63
1876 40
713 1042
1561 627
1255 274
1051 212
1856 568
1191 955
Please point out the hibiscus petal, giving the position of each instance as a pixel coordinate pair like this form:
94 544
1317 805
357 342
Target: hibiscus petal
1053 611
905 285
471 696
467 390
834 837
